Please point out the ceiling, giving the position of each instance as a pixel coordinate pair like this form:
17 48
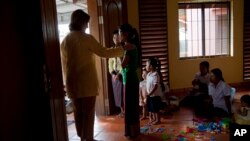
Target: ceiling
66 7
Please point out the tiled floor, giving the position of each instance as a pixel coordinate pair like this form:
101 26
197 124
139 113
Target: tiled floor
111 128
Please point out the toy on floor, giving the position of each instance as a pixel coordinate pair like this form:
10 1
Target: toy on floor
200 131
165 137
148 129
144 130
213 127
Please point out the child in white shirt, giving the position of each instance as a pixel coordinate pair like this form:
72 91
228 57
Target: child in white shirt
153 90
143 94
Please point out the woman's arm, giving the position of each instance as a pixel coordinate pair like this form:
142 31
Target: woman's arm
126 58
243 111
228 103
125 61
140 93
154 89
227 96
156 81
101 51
210 100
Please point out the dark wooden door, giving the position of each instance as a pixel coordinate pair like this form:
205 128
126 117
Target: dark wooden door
32 105
52 69
114 14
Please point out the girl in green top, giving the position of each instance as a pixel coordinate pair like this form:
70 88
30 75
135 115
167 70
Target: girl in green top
129 37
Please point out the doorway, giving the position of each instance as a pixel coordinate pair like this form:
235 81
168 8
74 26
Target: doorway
100 12
64 10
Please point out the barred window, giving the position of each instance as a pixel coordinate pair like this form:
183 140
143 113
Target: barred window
204 29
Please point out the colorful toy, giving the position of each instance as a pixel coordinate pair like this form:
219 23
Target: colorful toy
182 132
161 130
212 139
144 130
181 138
190 130
201 128
165 137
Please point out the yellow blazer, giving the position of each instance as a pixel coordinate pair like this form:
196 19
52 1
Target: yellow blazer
115 65
78 52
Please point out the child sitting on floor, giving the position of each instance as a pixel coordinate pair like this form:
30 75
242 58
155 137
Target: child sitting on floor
164 99
199 92
243 116
143 94
201 80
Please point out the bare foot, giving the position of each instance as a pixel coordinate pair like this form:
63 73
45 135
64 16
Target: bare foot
150 122
156 122
121 115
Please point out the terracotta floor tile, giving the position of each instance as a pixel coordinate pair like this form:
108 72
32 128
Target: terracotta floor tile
111 128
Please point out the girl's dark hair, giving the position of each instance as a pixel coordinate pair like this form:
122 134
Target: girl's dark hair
218 73
133 37
246 99
156 64
205 64
78 19
153 62
115 32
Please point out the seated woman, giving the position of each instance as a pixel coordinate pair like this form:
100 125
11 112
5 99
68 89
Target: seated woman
243 115
219 92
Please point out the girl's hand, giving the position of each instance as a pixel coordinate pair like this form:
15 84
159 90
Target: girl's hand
113 76
244 111
127 46
116 77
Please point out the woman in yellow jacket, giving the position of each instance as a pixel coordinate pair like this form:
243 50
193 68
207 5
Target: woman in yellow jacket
78 51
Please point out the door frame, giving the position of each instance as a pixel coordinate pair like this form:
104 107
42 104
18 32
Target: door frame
106 32
52 67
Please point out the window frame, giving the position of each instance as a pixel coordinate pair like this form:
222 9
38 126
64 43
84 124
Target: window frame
202 5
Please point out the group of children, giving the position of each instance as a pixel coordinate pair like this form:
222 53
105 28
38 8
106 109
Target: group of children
210 94
152 91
